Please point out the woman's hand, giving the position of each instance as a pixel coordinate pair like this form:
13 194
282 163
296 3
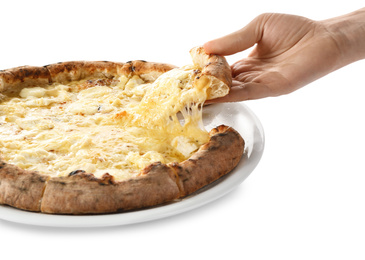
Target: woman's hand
290 52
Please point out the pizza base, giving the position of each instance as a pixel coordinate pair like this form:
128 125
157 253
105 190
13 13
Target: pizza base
83 193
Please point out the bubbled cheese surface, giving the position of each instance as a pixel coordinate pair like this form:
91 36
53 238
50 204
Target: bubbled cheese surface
117 128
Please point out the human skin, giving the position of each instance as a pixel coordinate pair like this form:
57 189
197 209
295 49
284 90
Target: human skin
289 52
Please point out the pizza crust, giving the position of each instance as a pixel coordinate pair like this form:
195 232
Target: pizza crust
15 79
65 72
20 188
83 193
149 71
12 81
214 71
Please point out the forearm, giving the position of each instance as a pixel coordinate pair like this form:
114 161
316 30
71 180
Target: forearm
349 33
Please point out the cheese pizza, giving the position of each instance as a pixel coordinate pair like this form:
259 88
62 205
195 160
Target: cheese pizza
101 137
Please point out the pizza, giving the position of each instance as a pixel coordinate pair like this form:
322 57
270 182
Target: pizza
95 137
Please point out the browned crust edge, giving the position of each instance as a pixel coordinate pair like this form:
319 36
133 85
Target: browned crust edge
149 71
64 72
20 188
84 194
14 79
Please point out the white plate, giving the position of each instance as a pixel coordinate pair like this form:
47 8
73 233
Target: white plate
236 115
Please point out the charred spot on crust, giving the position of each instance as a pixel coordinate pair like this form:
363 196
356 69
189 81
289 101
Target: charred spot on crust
42 179
149 168
36 179
176 165
22 189
75 172
2 165
131 68
208 64
106 179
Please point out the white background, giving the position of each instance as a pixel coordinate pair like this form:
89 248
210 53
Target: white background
306 198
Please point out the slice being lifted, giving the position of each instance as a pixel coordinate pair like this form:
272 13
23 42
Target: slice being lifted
101 137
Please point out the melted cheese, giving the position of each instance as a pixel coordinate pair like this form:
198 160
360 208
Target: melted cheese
119 129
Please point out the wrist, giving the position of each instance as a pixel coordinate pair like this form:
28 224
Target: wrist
348 31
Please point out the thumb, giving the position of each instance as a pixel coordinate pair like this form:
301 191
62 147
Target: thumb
237 41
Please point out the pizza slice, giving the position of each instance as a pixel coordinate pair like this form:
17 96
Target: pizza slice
101 137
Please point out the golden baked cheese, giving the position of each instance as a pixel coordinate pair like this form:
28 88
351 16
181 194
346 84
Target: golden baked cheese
116 127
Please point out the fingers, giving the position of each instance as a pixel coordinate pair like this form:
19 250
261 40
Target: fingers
243 91
246 65
237 41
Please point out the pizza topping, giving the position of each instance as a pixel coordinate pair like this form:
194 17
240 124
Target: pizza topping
117 125
33 92
96 128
